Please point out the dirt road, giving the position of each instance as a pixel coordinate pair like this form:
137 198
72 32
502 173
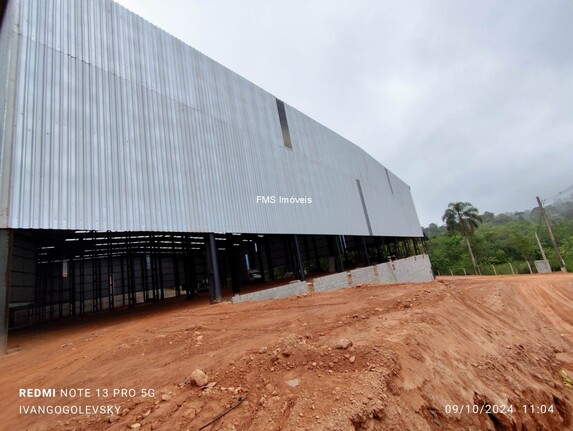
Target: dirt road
471 353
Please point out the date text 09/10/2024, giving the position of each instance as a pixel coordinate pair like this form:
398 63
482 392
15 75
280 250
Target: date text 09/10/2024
499 408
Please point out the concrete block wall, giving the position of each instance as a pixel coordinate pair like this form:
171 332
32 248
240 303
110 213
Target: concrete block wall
386 273
290 289
415 269
542 266
363 275
331 282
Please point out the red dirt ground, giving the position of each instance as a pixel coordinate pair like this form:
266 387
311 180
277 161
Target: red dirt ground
419 353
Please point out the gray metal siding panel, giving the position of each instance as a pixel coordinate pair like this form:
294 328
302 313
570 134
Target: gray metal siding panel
8 74
123 127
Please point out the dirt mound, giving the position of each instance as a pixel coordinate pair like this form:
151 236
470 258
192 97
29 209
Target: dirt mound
460 353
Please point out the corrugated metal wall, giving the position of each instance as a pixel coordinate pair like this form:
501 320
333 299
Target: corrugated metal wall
120 126
8 69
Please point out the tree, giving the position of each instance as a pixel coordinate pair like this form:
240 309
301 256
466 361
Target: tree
487 216
432 230
463 218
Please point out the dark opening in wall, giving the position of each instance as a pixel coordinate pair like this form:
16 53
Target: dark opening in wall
284 123
3 7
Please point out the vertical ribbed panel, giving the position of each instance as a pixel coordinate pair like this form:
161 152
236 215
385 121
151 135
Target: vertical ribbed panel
8 72
120 126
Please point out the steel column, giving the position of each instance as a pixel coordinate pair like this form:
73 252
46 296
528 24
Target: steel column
60 275
176 278
298 261
260 260
234 267
160 276
121 262
82 280
365 249
110 280
213 268
72 286
339 254
316 256
269 258
6 245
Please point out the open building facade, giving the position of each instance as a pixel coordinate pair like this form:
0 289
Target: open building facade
134 168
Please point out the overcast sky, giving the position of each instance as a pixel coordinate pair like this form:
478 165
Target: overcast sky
463 100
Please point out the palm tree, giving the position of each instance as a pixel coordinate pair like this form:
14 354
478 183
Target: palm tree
462 217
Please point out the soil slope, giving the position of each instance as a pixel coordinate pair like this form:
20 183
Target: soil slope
453 354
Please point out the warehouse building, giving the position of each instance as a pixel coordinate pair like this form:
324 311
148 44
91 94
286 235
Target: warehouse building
134 168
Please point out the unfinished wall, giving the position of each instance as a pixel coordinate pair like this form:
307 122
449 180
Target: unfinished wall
386 272
331 282
363 275
295 288
415 269
542 266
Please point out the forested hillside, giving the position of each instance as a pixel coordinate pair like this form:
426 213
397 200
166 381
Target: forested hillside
503 239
